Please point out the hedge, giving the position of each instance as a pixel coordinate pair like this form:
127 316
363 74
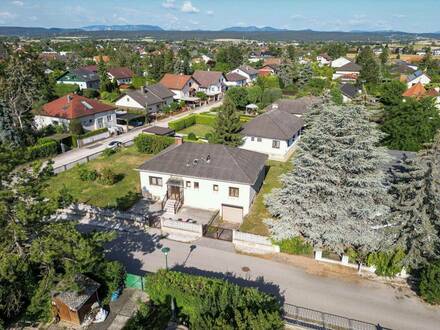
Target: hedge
92 133
209 303
182 123
152 144
44 148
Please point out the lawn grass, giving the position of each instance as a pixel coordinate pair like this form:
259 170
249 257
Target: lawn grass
198 129
123 163
253 222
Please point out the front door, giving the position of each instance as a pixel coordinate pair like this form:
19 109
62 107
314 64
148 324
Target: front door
174 192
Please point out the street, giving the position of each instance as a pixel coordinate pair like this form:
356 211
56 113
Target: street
362 299
80 153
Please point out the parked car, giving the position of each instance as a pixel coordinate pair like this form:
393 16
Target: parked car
114 144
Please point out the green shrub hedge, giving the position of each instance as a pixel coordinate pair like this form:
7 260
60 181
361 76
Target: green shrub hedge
92 133
152 144
44 148
429 285
387 263
209 303
295 245
182 123
107 177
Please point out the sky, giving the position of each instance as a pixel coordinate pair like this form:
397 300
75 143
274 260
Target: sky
319 15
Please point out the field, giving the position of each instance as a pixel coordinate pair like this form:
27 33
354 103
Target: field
123 163
253 222
198 129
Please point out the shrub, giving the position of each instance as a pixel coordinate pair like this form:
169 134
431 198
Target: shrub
156 316
75 127
124 203
90 93
210 303
387 263
208 136
109 151
295 245
44 148
92 133
182 123
270 95
87 175
429 285
152 144
107 177
192 136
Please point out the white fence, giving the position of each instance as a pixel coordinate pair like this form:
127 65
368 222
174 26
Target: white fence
253 243
181 231
94 138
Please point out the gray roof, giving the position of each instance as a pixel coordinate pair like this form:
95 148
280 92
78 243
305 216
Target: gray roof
160 90
76 299
85 75
248 69
274 124
295 106
349 67
234 76
157 130
226 163
350 90
144 98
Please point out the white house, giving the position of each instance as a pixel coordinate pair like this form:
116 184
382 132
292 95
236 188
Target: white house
234 79
341 61
348 72
92 114
205 176
82 77
121 75
212 83
247 71
151 98
417 77
184 87
323 59
297 107
274 133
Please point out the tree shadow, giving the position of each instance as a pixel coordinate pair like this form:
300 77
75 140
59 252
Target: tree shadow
258 283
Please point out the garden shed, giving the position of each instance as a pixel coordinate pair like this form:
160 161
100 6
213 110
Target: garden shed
72 306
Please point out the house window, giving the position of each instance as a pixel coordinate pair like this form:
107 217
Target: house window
128 99
155 181
100 122
259 139
215 187
188 184
196 185
234 192
252 138
109 118
275 144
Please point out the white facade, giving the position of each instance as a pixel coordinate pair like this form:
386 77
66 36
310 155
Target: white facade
185 92
239 83
214 89
120 81
249 78
276 149
82 84
423 79
322 60
210 194
339 62
89 123
127 101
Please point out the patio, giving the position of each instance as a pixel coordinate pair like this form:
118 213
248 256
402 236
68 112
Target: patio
193 215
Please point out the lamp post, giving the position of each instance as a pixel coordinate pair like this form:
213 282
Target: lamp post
165 250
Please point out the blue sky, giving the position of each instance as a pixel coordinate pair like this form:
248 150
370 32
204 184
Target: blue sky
324 15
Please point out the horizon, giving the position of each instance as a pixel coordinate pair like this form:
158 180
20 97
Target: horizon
181 15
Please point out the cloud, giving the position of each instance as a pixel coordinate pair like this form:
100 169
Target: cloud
210 12
6 16
18 3
188 7
169 4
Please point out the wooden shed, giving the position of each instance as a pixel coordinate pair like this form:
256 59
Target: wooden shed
73 306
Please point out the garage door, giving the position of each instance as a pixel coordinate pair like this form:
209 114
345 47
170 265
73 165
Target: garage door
232 213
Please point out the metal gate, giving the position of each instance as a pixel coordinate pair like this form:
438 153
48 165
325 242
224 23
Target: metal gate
215 232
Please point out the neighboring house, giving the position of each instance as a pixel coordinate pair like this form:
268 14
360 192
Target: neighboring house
205 176
82 77
415 78
297 107
274 133
403 68
268 70
121 75
324 59
436 52
350 92
348 72
99 58
92 114
184 87
247 71
149 98
419 91
234 79
212 83
339 62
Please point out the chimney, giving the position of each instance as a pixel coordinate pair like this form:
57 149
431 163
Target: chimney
69 98
178 140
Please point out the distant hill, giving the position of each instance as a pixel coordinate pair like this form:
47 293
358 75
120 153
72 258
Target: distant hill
252 29
33 31
122 28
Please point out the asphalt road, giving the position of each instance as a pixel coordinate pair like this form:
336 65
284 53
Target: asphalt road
80 153
362 300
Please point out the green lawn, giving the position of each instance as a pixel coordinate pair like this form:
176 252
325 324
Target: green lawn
198 129
253 222
123 163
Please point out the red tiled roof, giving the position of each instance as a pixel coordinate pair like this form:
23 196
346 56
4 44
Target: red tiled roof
74 106
175 81
264 73
120 73
415 91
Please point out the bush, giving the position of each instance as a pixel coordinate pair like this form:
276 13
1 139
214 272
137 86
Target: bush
209 136
90 93
213 304
92 133
156 316
429 285
87 175
192 136
75 127
109 151
295 245
124 203
107 177
152 144
182 123
387 263
109 96
44 148
270 95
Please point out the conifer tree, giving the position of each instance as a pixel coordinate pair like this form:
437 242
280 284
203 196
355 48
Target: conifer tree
335 196
228 126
